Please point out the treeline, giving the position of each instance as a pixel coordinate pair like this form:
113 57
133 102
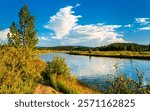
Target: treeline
111 47
124 47
66 48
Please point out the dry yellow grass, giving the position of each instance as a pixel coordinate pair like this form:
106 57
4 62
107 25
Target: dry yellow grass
45 89
117 54
76 86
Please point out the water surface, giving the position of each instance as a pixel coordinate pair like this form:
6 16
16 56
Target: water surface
94 70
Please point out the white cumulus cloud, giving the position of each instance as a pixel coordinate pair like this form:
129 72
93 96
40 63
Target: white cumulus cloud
65 27
94 35
142 21
62 22
3 34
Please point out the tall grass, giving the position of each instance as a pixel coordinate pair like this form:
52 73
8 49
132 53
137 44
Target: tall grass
125 85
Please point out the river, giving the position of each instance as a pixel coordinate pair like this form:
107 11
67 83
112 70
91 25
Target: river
94 70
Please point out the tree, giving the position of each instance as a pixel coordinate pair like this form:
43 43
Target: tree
24 35
14 38
149 47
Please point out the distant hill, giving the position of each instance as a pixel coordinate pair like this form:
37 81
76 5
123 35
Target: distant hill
124 47
67 48
111 47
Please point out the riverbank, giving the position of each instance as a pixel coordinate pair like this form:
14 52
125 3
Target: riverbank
49 51
69 85
58 76
115 54
66 86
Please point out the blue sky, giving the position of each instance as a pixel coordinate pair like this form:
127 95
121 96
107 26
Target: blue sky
82 22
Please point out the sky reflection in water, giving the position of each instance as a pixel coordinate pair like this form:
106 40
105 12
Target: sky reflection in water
94 70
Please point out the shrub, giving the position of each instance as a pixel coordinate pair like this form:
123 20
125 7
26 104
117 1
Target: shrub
125 85
53 81
147 89
56 66
59 76
20 70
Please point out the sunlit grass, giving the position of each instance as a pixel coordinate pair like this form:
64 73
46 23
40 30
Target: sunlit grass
126 85
60 78
119 54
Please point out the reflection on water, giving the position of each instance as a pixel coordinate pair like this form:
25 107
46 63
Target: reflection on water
94 70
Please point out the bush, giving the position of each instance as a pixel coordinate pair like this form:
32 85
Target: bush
56 66
53 81
59 75
20 70
125 85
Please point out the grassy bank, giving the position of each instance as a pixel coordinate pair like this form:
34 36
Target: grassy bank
58 75
49 51
69 85
115 54
42 51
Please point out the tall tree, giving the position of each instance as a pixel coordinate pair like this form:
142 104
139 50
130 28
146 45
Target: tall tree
27 23
25 34
149 47
14 36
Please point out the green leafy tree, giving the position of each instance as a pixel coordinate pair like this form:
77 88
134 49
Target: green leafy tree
25 34
14 36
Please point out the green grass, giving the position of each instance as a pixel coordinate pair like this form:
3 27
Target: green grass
116 54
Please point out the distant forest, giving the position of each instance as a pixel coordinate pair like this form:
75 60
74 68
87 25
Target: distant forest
111 47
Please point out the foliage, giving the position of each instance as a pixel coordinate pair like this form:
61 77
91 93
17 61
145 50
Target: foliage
66 85
53 81
59 76
19 70
60 83
123 47
126 85
24 35
116 54
54 69
111 47
149 47
58 66
66 48
14 38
